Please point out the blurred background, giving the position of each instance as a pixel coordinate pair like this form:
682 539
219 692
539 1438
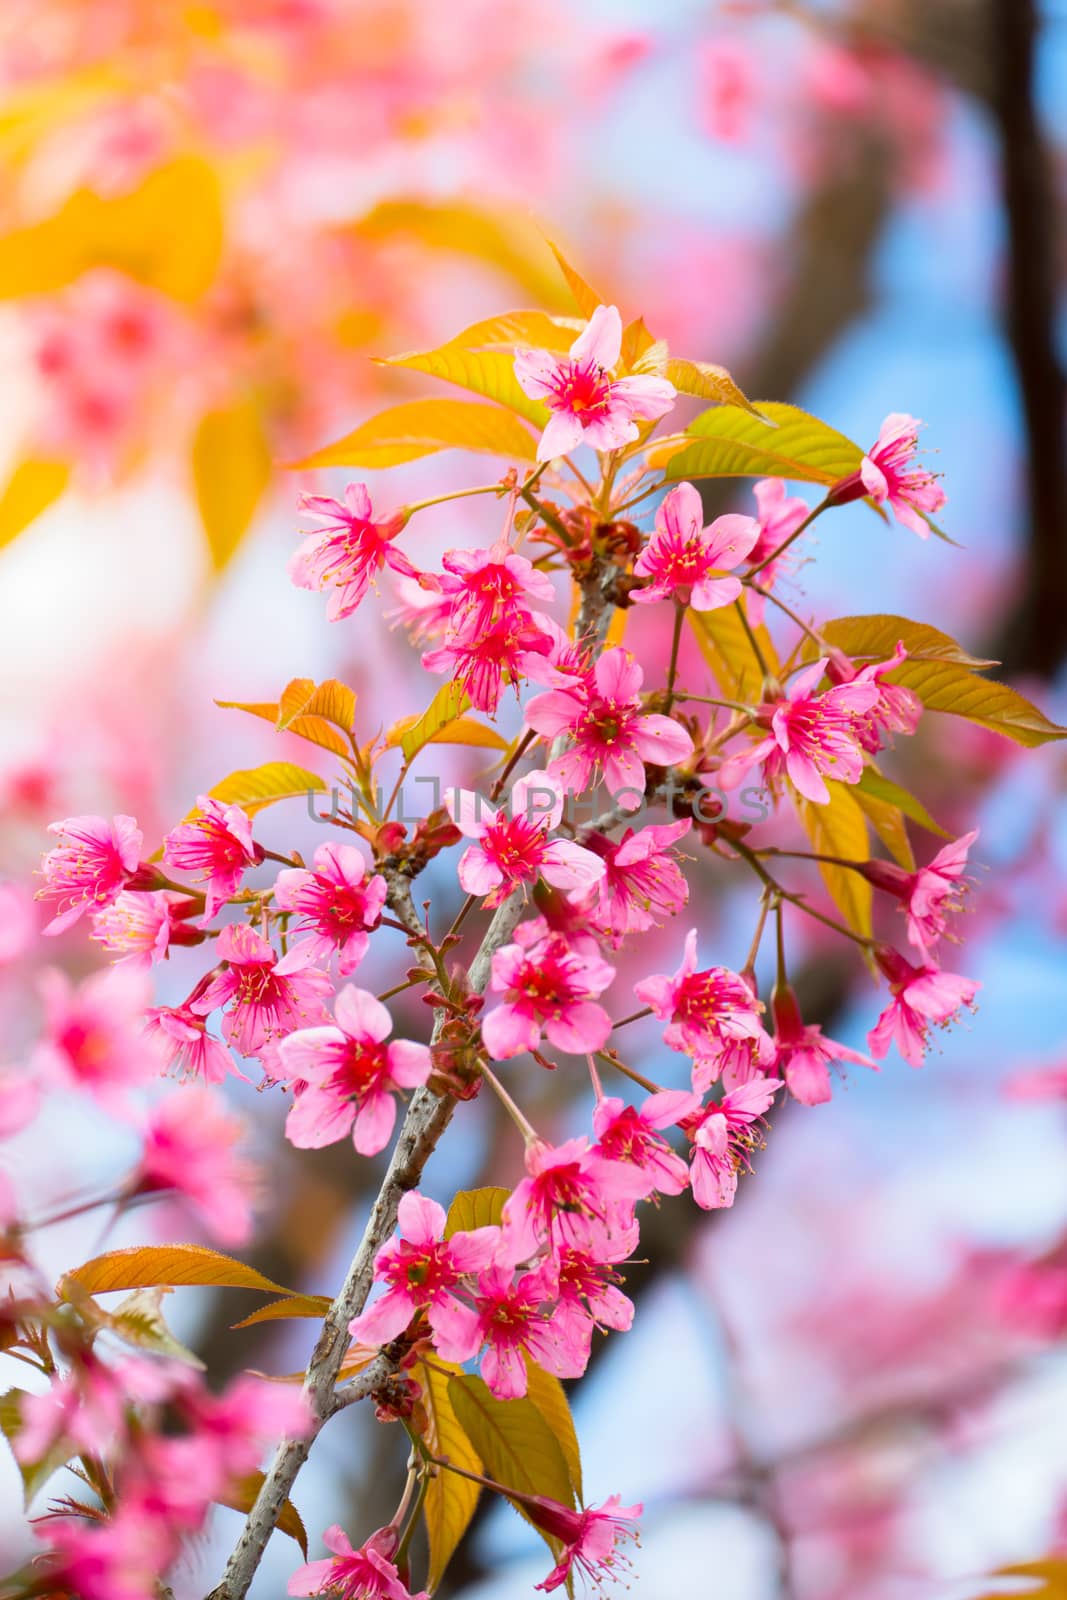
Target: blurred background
852 1386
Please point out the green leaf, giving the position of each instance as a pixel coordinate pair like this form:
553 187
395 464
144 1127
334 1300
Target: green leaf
242 1496
731 442
888 823
448 703
839 828
547 1394
516 1444
138 1321
256 787
450 1500
34 485
314 1306
709 382
231 470
874 785
875 637
727 649
423 427
487 372
143 1266
475 1208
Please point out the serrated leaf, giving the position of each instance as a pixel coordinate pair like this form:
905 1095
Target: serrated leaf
475 1208
730 442
423 427
242 1495
462 730
254 788
487 372
875 637
516 1444
875 786
547 1394
450 1500
138 1321
177 1265
313 1306
709 382
839 828
942 686
727 649
447 705
323 714
231 463
34 485
585 298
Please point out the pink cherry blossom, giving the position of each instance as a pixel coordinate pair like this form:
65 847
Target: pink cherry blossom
266 1003
573 1193
707 1012
423 1270
120 1558
363 1574
629 1133
590 1538
231 1429
897 708
346 1075
682 555
521 1316
813 736
515 848
348 549
188 1050
921 996
889 475
549 982
93 1033
602 716
216 844
722 1136
588 1283
802 1055
138 927
642 884
188 1148
486 664
588 405
84 1408
929 895
485 586
337 903
89 869
780 515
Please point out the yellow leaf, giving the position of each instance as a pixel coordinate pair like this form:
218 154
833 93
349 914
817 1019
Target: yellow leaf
34 485
314 1306
463 730
729 442
639 348
875 637
839 828
475 1208
242 1495
486 372
888 823
1049 1580
422 427
450 1500
231 469
709 382
144 1266
447 705
323 714
506 239
585 298
873 786
727 649
255 787
521 330
548 1396
138 1321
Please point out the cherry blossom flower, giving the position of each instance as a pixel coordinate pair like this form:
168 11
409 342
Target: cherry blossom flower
266 1002
423 1269
348 549
486 586
897 708
813 736
188 1050
602 715
515 849
722 1136
85 1408
338 905
921 996
682 555
642 883
346 1075
216 843
188 1147
484 665
706 1012
550 983
888 474
802 1055
928 895
94 1037
363 1574
230 1429
139 927
120 1558
520 1316
629 1133
90 868
779 517
573 1193
589 1284
588 405
589 1537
